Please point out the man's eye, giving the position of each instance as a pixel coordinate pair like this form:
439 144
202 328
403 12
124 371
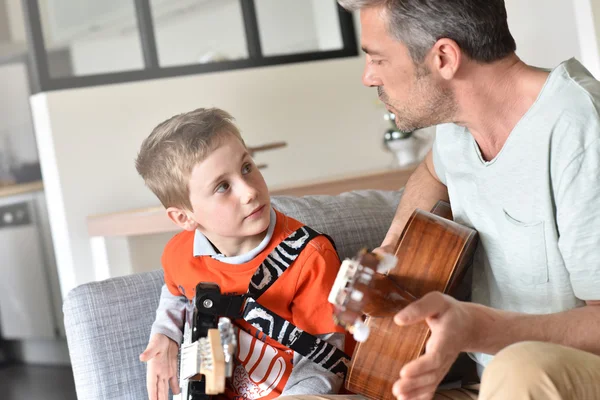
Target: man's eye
376 62
247 168
222 188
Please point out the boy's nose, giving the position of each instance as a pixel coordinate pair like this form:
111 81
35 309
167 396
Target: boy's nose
250 194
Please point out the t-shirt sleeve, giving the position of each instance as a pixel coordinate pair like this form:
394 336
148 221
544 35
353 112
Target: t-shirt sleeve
167 262
578 220
438 165
311 311
170 315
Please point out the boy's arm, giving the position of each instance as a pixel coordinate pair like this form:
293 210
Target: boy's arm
170 315
312 312
309 378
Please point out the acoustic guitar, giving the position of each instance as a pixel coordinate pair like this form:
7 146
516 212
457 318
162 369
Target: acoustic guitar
433 254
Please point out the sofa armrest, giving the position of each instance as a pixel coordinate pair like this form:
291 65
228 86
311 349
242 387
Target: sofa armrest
108 325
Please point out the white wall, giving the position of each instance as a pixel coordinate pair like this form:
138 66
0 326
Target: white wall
89 137
587 15
286 26
12 34
16 21
5 34
327 25
596 11
545 30
596 14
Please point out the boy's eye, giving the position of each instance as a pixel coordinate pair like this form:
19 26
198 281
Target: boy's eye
246 169
222 188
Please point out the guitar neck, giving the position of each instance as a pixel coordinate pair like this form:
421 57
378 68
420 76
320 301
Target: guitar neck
383 297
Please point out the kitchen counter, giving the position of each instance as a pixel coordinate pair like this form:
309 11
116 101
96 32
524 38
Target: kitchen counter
20 188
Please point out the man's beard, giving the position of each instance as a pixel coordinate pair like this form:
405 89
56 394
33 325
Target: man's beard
438 106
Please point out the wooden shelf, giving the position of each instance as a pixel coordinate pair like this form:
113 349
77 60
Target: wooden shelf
20 188
154 220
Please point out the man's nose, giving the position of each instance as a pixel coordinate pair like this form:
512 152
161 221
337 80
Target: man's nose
369 77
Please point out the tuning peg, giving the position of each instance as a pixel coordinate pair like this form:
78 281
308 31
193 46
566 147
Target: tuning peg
386 262
357 295
360 331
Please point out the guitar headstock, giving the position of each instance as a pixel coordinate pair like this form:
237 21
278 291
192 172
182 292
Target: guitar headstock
211 357
351 291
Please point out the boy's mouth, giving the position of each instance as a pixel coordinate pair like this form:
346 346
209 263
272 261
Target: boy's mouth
256 212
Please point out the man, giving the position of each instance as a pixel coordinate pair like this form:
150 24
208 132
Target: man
517 154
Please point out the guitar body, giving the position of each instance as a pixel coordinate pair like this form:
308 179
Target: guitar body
433 255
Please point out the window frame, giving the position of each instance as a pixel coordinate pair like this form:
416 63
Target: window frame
42 81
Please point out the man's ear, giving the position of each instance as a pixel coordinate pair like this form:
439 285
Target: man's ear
181 218
446 58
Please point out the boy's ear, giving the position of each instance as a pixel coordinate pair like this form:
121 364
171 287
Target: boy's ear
181 219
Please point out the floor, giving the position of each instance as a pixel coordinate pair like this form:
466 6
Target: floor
27 382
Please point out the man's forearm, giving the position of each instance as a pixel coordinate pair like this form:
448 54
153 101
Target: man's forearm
496 329
423 190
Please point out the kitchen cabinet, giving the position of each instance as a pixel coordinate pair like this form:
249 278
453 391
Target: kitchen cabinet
30 301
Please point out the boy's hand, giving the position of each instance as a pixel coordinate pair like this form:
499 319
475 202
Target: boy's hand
161 356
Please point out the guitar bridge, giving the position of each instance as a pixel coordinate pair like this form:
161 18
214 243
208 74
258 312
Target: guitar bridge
195 357
198 358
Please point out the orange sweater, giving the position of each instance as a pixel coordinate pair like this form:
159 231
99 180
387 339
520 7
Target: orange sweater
299 295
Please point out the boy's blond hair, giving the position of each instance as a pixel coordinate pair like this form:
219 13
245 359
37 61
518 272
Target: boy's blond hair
168 156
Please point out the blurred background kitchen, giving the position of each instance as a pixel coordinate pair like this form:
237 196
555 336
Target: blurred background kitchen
82 82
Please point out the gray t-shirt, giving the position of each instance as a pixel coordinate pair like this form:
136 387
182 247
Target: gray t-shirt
536 205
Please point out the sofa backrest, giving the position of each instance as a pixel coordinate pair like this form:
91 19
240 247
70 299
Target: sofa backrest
108 322
354 219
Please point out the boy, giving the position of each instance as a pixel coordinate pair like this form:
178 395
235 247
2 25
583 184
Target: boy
198 166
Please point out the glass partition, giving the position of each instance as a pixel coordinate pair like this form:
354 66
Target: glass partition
76 43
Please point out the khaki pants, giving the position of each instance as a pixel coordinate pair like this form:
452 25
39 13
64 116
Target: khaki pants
525 371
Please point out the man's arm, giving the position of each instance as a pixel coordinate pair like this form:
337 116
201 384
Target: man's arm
497 329
423 190
458 326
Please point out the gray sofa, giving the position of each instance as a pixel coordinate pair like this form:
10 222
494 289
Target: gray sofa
108 323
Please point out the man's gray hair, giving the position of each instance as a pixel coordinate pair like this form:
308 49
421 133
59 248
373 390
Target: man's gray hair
479 27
